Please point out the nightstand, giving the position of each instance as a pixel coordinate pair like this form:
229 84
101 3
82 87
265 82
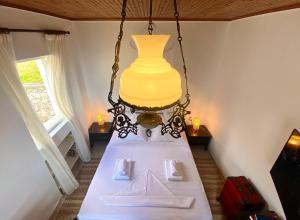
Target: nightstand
201 137
100 133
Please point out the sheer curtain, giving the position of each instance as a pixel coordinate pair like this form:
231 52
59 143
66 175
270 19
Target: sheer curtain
57 72
10 82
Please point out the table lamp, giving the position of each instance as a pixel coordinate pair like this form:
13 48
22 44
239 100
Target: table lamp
196 124
292 148
100 119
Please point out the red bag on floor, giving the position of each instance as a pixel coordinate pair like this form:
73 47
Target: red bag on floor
238 197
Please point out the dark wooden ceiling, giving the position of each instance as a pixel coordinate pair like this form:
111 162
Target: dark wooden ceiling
196 10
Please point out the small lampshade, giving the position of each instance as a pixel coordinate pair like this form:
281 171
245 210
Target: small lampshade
294 142
100 119
291 151
196 123
150 82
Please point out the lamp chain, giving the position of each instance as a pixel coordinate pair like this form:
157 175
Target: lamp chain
150 26
115 67
179 38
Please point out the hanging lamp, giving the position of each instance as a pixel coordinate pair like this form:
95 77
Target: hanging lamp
150 84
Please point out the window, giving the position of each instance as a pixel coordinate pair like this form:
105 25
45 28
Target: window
32 76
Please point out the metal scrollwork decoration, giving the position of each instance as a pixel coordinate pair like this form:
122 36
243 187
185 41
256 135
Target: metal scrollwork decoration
121 122
148 132
176 124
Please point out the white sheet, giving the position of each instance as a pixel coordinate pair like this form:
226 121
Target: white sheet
147 155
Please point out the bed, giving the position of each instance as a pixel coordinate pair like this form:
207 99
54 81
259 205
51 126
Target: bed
147 155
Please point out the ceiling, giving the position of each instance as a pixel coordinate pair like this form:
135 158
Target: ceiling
197 10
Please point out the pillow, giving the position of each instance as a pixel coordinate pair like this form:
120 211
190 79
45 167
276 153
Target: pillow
156 136
140 136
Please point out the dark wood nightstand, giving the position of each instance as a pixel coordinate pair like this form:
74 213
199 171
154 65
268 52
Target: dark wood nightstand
100 133
202 137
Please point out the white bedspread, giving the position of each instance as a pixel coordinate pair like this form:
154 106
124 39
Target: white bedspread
147 155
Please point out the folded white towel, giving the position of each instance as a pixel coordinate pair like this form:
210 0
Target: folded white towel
174 167
123 167
173 170
122 170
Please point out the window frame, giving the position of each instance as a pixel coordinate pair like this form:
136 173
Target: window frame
58 118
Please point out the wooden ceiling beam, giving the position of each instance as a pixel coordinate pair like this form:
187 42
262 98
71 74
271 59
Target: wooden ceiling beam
11 5
108 10
284 8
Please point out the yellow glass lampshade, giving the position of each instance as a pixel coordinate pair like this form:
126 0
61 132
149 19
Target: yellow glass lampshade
196 123
150 82
100 119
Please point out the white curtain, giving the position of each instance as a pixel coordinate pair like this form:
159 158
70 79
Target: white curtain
11 84
58 72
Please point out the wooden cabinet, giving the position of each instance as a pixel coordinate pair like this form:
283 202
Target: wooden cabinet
100 133
201 137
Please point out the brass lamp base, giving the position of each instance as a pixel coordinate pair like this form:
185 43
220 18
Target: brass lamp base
149 120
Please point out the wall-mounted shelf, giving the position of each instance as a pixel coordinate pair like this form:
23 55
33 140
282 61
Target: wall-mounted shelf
66 144
69 151
71 160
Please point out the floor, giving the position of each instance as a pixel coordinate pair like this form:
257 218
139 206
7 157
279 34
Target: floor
211 177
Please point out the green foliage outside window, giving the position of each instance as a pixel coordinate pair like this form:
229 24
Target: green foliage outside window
29 72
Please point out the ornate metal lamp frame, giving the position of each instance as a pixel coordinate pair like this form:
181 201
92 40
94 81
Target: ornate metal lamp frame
121 122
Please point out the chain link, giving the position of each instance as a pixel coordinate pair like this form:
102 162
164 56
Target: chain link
179 38
115 67
150 26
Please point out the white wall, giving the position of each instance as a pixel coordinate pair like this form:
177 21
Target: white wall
29 44
27 189
255 104
203 42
